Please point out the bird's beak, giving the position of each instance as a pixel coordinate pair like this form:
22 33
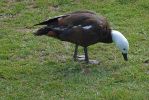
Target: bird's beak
125 56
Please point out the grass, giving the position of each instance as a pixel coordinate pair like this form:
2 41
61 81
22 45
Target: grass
41 68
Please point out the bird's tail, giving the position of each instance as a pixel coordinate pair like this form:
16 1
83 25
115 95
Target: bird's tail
47 22
51 21
43 31
48 31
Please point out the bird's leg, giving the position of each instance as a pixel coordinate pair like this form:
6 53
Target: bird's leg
75 52
86 55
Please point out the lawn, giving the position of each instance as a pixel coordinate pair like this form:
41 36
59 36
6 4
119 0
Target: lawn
41 68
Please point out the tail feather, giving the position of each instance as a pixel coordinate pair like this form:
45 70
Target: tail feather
54 32
50 21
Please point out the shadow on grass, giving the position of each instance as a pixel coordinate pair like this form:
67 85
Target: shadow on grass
71 69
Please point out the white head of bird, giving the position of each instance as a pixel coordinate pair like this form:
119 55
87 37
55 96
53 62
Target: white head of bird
121 42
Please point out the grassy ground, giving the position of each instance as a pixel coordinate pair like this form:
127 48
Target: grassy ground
41 68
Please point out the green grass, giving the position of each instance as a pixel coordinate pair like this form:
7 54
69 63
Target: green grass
41 68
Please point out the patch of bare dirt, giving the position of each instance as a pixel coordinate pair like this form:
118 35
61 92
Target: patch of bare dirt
25 30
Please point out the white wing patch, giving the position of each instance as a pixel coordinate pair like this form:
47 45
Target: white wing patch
84 27
76 26
87 27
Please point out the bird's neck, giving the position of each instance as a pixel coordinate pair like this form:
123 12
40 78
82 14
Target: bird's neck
117 36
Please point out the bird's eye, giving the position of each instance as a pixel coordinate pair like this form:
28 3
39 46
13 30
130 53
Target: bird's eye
124 49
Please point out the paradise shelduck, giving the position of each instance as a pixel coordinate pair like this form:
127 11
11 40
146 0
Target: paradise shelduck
83 28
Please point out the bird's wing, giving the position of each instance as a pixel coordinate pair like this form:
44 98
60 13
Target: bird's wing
68 19
78 23
74 32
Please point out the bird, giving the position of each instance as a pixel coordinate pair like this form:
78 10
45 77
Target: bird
83 28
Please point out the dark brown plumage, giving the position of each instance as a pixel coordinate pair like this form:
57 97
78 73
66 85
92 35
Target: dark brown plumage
82 28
